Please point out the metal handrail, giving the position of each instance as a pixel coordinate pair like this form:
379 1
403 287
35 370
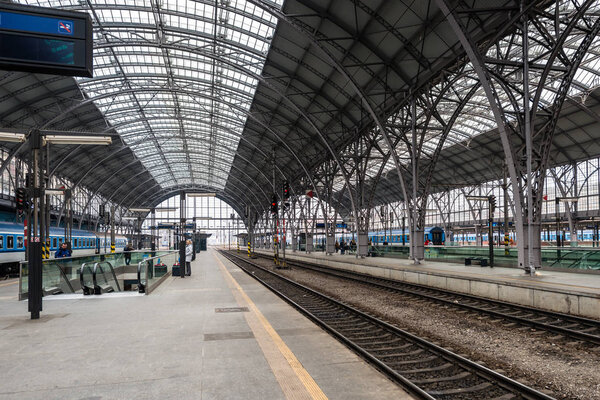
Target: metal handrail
97 289
142 286
86 290
64 276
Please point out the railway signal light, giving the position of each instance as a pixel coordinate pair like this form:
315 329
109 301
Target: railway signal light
286 190
274 208
492 200
21 199
29 180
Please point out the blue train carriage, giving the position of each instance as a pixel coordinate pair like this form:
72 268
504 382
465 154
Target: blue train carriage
396 237
100 245
12 244
82 242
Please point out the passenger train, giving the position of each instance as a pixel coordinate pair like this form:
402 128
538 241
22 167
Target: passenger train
434 235
12 244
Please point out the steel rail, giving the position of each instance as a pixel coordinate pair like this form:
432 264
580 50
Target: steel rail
482 304
339 313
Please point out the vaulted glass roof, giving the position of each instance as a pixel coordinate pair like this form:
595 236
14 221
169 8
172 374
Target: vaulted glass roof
176 79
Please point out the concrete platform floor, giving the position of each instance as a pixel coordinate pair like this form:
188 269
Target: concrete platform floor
564 282
187 340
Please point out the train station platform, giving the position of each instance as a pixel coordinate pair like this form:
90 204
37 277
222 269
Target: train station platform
218 334
570 293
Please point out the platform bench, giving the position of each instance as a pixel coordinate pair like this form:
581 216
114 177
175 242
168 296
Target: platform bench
476 260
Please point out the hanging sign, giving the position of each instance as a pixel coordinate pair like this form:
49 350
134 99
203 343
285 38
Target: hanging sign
45 40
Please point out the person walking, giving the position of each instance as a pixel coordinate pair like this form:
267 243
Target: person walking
127 251
63 251
189 253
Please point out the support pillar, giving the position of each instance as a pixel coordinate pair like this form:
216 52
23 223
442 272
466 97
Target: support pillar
362 249
418 247
153 230
309 242
295 240
330 243
182 234
34 290
536 249
112 229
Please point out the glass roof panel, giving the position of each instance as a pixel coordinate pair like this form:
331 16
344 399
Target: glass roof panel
174 77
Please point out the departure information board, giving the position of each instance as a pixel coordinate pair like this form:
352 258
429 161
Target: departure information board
45 40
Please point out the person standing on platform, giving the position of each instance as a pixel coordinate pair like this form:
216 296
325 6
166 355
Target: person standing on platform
63 251
189 253
127 251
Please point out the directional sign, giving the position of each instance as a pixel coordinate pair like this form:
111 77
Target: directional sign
45 40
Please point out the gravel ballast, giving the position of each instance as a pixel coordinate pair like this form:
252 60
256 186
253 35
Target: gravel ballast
555 365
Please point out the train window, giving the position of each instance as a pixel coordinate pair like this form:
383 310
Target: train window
10 242
60 241
19 242
1 242
54 242
75 242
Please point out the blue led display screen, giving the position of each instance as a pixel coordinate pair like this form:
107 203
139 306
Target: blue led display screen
36 24
37 49
45 40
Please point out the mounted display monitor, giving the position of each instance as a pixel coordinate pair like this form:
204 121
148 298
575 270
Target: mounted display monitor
45 40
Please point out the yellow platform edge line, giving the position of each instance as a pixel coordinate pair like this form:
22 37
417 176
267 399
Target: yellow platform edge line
309 383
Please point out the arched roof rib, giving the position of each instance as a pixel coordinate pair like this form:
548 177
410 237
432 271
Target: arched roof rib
180 79
385 61
474 121
32 100
577 139
165 46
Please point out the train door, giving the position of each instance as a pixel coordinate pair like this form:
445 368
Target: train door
436 237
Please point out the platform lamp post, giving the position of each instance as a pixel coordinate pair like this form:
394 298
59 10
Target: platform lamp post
491 200
560 241
35 192
231 217
153 231
182 234
138 226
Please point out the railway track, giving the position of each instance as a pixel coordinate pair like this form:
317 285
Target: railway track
425 369
581 329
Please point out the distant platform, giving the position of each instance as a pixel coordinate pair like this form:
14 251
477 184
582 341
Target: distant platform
570 293
218 334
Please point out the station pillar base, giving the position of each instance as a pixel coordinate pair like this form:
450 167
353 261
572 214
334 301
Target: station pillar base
330 243
363 244
536 255
418 250
309 243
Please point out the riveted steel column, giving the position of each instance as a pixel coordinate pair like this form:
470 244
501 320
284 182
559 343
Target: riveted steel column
528 146
34 290
182 234
112 228
505 194
153 230
479 67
